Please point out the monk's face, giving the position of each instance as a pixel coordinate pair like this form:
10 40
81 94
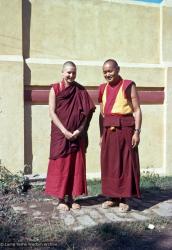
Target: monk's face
110 72
69 74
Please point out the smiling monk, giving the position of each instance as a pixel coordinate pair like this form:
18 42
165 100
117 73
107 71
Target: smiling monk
71 110
120 124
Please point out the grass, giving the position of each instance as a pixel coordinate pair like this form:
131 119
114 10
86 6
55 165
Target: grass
148 181
94 186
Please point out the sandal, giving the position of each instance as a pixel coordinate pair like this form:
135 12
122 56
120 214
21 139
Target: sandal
123 207
63 207
76 206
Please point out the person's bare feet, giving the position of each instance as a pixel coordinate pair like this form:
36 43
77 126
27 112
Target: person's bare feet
123 206
75 206
107 204
63 206
110 203
73 203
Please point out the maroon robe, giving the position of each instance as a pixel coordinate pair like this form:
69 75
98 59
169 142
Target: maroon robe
120 169
67 170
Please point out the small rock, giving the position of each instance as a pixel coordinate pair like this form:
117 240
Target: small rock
36 213
151 226
55 203
33 206
18 209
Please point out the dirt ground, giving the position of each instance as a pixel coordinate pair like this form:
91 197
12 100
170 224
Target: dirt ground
26 231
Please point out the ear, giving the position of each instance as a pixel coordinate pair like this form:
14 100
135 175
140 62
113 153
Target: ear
118 69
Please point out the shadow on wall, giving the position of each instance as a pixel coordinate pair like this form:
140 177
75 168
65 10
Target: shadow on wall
28 154
26 21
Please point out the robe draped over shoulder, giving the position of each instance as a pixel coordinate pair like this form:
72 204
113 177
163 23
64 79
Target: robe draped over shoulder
67 165
73 106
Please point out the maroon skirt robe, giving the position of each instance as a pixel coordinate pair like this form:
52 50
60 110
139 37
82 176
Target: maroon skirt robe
67 167
120 169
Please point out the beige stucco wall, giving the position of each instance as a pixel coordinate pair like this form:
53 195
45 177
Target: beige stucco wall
168 124
11 115
91 75
94 30
49 32
11 86
152 137
11 27
167 36
37 135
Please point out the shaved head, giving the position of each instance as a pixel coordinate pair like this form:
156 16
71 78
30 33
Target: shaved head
112 62
68 64
111 71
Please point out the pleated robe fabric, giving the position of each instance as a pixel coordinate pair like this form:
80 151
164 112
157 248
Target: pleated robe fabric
67 165
120 168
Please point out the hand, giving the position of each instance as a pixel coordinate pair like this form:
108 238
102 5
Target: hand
75 134
135 139
68 135
100 142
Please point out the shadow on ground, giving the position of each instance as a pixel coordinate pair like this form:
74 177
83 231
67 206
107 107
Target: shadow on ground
114 236
150 197
102 237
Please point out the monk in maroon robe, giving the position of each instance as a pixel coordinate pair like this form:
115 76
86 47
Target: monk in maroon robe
120 123
71 110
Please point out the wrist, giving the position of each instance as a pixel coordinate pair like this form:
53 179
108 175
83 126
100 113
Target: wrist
137 130
63 130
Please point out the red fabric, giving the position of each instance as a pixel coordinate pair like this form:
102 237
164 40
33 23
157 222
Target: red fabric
73 106
120 169
101 91
118 120
67 168
56 87
126 85
67 176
